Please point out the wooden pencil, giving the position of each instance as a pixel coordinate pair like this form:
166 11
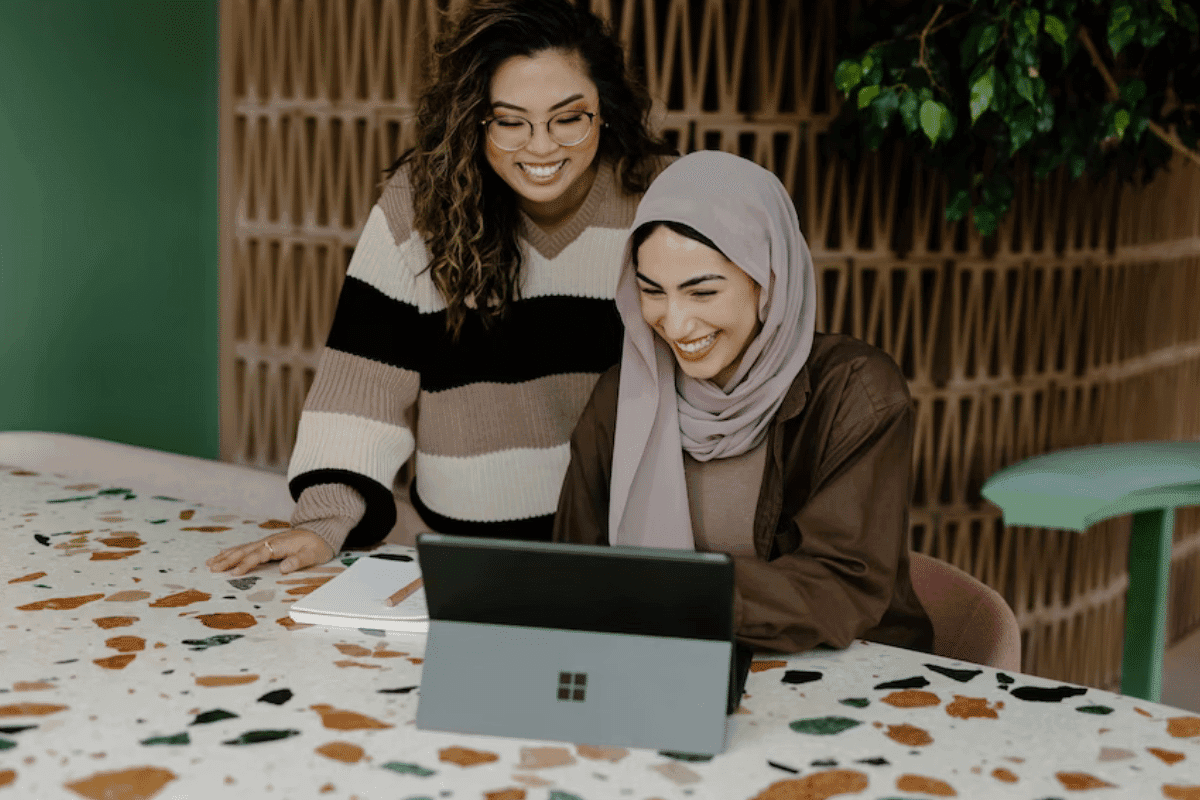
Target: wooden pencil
405 592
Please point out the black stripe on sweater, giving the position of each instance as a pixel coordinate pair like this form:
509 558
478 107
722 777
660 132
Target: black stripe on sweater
535 529
380 516
539 336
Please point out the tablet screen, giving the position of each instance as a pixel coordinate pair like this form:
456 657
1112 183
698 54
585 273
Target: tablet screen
634 590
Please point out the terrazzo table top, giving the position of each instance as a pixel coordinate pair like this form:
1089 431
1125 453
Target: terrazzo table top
129 671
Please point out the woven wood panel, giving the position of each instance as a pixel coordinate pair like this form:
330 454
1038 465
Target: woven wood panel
1078 325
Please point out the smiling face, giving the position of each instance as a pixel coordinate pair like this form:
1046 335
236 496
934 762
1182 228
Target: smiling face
551 181
699 302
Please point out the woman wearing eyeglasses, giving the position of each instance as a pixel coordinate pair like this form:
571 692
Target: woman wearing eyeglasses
480 295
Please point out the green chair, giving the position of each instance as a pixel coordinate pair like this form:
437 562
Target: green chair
1078 487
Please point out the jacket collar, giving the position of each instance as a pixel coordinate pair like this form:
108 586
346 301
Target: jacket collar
796 399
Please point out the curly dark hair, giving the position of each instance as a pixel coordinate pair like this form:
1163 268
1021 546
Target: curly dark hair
466 213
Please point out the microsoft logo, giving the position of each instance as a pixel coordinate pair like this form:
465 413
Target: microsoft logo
572 686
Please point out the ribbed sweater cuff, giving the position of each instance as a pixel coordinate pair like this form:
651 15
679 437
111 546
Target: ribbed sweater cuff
330 510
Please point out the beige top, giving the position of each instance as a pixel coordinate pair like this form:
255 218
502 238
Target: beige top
722 497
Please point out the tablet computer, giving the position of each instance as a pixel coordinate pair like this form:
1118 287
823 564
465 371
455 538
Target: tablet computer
617 646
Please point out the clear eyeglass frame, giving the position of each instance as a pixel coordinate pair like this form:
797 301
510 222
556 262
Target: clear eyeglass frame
497 137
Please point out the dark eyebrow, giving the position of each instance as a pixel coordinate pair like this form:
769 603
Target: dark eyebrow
555 107
689 282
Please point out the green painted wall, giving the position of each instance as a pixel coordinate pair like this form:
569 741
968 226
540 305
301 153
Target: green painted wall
109 220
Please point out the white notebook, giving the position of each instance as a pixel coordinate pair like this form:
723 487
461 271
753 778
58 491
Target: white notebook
357 597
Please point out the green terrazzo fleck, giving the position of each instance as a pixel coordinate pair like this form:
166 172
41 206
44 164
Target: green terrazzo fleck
349 560
211 641
72 499
685 756
823 726
1095 709
856 702
254 737
563 796
5 744
408 769
213 716
164 497
179 738
156 521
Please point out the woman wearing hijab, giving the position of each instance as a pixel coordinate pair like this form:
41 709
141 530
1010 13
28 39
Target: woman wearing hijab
731 425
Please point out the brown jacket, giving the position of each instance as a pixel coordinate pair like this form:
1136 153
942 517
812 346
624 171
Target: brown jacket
831 527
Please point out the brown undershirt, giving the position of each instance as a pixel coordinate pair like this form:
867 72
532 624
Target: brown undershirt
723 497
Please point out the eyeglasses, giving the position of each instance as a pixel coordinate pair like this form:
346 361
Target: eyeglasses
566 129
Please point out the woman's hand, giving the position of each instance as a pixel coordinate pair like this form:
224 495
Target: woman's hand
298 548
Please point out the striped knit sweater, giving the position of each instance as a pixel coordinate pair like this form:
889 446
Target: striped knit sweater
495 410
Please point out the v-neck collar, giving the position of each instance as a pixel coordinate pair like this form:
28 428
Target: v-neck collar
549 245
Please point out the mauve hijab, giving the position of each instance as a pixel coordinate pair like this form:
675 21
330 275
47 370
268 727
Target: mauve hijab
747 213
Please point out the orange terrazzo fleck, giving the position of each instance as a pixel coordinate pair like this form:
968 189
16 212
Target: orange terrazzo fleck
135 783
33 576
7 776
505 794
208 528
1183 727
227 621
465 757
114 622
32 686
346 662
1173 792
178 599
225 680
352 649
126 644
1078 781
1002 774
60 603
972 707
911 699
113 555
342 720
30 709
274 525
925 785
115 662
127 596
1168 756
909 735
342 751
762 666
818 786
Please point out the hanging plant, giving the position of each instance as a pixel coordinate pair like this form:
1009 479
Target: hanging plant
1093 85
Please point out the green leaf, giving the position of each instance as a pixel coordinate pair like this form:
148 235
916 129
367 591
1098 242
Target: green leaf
1033 21
847 75
1057 29
931 119
910 106
884 107
1188 19
958 206
1077 164
1120 122
1152 34
1169 7
1020 128
866 95
1132 91
985 220
981 93
1121 28
988 39
867 63
949 124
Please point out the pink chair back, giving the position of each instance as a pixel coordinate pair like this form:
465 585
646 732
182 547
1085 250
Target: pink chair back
971 621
